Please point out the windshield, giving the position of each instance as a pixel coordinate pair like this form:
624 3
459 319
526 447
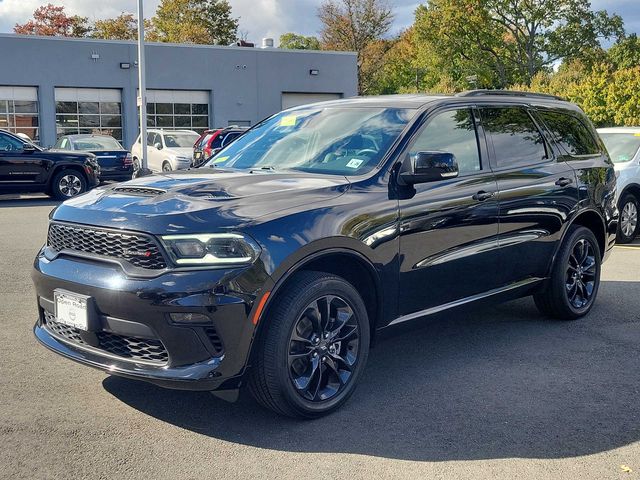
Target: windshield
97 143
329 140
622 147
180 140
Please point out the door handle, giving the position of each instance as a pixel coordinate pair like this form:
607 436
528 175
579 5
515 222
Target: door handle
563 182
481 196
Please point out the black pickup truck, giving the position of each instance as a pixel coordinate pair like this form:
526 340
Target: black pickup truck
25 167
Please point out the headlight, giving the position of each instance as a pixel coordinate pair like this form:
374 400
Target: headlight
215 249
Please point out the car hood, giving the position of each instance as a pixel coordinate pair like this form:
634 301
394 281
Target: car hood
198 200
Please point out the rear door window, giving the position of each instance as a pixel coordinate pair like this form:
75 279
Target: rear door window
515 136
570 133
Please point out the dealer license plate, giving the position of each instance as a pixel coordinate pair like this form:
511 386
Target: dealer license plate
71 309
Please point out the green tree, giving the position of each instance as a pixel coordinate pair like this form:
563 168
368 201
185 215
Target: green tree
357 26
626 52
50 20
294 41
194 21
122 27
511 41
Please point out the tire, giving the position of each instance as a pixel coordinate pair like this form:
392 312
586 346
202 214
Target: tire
166 167
280 359
67 183
628 225
574 274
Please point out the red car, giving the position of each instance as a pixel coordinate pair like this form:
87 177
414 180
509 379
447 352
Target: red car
212 141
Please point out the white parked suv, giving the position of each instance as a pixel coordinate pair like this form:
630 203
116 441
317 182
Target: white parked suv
623 144
167 150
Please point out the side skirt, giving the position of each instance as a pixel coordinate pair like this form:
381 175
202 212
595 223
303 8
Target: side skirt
464 301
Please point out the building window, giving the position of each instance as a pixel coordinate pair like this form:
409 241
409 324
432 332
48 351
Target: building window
178 109
19 111
174 116
88 111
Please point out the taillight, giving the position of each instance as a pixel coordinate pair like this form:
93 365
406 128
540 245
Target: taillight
128 160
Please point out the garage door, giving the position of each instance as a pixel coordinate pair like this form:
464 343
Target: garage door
88 110
19 110
294 99
178 109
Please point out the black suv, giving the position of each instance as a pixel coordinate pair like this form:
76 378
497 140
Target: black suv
25 167
279 263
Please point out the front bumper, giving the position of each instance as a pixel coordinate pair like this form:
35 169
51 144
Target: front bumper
129 311
198 376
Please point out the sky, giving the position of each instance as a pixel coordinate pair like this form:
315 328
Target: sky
262 18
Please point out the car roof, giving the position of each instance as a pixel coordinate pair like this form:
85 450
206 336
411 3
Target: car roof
416 101
160 130
630 130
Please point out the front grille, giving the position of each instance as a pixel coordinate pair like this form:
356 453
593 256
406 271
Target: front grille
139 250
135 348
147 191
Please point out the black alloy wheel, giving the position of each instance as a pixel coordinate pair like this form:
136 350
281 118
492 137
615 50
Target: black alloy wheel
312 346
573 283
323 348
581 273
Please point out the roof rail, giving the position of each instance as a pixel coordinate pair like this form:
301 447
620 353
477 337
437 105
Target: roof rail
508 93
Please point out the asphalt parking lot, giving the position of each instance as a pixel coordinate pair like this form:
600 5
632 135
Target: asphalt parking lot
486 393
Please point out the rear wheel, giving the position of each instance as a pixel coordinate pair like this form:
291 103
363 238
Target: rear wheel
313 349
67 183
575 277
628 223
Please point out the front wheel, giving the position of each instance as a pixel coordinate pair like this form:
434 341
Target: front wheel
67 183
575 277
313 349
628 224
166 167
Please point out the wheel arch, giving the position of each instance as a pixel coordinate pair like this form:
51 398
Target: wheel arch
349 264
632 188
58 168
592 220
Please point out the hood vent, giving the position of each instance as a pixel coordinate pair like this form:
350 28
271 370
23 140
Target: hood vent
143 191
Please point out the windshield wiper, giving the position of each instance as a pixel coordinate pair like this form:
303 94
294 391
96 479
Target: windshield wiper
268 168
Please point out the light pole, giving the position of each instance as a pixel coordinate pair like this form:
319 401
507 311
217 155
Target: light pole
142 94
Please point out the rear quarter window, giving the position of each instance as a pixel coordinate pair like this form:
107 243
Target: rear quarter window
570 133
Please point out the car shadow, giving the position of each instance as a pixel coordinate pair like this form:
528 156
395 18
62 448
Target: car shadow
497 382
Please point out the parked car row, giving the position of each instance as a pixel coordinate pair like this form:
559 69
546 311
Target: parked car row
169 150
623 145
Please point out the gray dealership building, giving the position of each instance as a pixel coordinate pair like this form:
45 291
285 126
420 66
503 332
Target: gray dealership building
50 86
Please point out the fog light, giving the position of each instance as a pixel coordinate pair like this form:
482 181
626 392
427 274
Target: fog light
189 318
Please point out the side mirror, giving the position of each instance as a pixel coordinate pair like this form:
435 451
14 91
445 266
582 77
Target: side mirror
158 145
27 147
428 167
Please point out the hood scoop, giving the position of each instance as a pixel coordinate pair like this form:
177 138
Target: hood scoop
140 190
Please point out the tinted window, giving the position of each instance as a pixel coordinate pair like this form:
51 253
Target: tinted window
230 138
452 132
516 139
570 133
9 144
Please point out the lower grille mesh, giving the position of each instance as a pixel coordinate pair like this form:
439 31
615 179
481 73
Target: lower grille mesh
148 350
